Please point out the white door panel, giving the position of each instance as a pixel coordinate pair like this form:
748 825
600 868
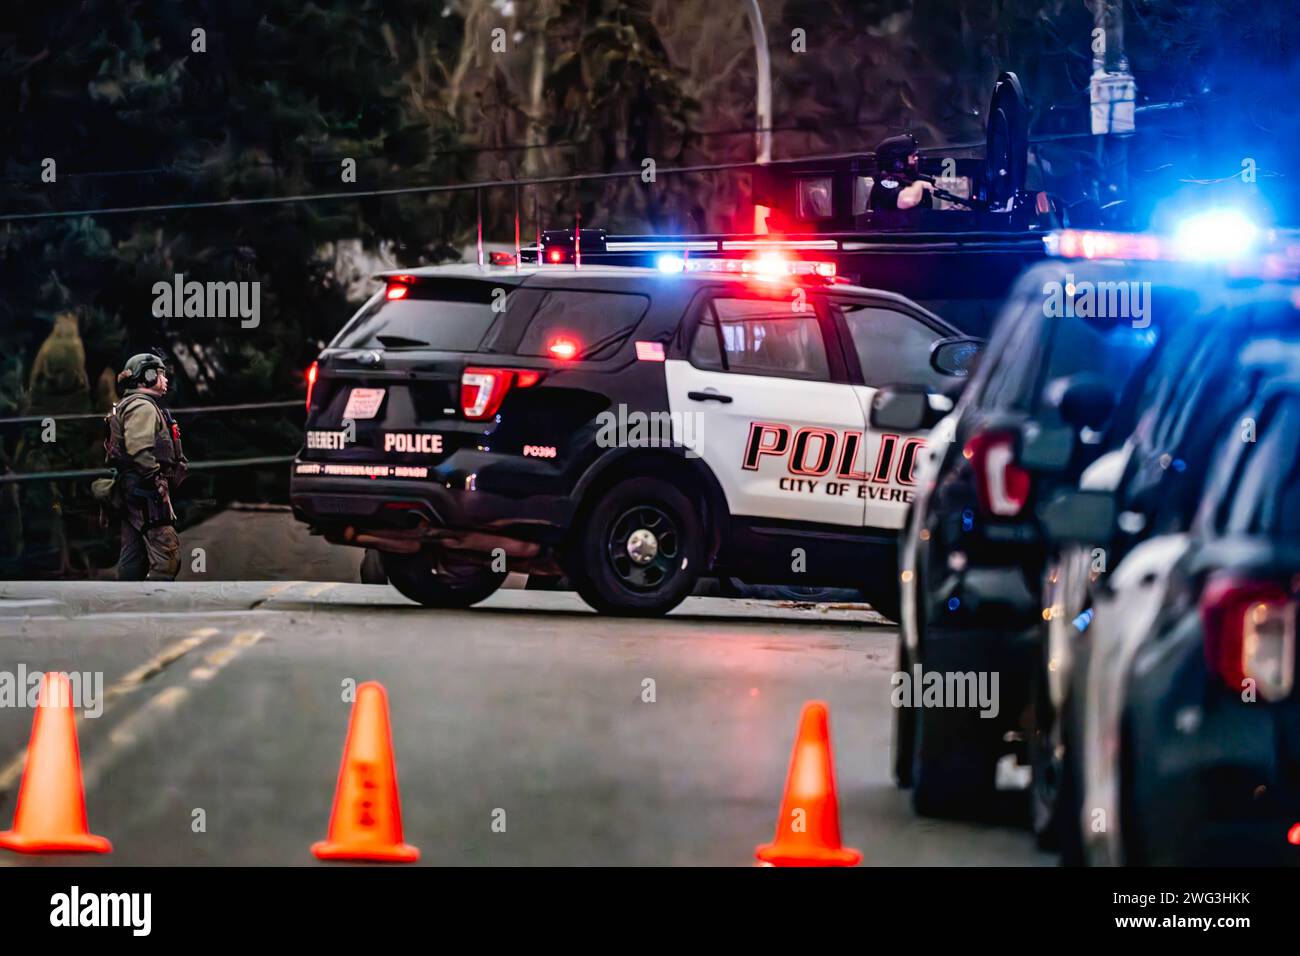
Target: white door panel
781 448
892 461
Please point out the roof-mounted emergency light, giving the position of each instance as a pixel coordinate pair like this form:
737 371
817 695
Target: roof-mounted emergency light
768 266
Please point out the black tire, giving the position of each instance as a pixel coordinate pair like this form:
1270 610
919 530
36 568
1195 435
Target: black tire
425 580
953 765
604 570
1069 799
885 601
372 568
1047 801
904 729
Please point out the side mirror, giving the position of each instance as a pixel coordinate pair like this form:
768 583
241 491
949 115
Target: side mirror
1072 516
956 356
903 408
1083 401
1045 448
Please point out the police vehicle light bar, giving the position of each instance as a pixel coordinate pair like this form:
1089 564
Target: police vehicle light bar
1095 244
1226 237
768 266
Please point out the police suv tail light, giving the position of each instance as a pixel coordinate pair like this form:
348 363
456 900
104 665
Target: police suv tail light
1250 634
312 373
1002 485
482 390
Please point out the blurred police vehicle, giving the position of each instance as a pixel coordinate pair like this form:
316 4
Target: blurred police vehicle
1051 396
1164 720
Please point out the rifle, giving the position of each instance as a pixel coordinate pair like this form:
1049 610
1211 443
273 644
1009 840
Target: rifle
940 192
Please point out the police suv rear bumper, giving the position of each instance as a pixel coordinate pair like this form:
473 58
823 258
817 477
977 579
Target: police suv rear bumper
468 501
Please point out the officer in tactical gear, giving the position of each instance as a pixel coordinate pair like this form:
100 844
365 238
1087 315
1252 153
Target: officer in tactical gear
143 448
898 183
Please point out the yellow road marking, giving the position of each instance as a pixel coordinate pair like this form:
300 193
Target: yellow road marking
13 770
163 705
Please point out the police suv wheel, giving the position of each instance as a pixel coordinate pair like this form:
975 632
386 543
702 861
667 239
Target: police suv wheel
425 580
885 600
640 550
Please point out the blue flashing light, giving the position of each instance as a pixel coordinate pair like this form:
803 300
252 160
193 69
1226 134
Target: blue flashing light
1216 235
670 264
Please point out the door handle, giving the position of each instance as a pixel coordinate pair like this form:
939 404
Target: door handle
709 397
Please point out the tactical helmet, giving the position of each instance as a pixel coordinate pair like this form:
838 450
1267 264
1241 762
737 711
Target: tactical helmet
892 154
142 370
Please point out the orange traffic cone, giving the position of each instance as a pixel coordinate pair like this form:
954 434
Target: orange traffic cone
51 814
366 822
808 830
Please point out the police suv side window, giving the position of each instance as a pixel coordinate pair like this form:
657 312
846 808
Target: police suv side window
1011 358
1253 486
596 323
706 348
893 347
761 337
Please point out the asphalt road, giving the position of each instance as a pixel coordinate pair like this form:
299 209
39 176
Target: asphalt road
226 697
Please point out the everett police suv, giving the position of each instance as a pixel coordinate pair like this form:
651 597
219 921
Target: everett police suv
632 429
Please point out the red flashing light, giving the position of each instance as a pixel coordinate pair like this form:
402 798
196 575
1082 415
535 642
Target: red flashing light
555 256
397 291
770 265
563 348
502 259
1293 835
312 373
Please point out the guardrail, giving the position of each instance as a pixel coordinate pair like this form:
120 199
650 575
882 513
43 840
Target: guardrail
193 409
90 473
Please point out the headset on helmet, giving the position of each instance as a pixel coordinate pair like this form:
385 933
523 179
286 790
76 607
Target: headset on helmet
143 370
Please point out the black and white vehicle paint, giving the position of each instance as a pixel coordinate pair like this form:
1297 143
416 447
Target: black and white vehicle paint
481 401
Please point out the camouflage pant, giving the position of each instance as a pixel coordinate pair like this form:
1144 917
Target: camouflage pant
156 551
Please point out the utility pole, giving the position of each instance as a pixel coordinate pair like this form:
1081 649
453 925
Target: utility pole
762 100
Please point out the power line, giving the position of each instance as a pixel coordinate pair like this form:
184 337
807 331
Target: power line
404 190
182 169
490 183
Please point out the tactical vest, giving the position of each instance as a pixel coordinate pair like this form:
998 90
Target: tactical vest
166 443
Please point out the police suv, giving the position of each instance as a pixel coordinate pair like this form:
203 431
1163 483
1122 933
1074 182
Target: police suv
632 429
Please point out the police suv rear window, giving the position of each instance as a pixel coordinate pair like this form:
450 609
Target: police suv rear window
595 322
450 315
